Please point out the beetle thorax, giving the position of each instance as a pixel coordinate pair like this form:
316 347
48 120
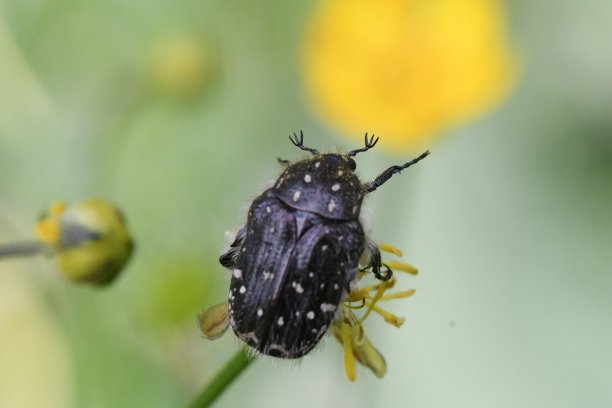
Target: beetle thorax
324 184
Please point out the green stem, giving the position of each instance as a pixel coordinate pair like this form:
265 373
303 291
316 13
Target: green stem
26 248
224 378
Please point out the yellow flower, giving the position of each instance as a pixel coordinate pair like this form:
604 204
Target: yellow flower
89 240
406 69
348 328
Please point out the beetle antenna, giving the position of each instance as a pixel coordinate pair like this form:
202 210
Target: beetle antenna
369 143
299 142
386 175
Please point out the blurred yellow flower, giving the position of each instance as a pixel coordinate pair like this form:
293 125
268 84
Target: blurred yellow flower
406 69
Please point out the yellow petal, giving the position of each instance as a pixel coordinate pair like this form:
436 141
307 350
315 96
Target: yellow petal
368 356
406 69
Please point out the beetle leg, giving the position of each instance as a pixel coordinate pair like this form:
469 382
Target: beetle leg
386 175
283 162
228 258
380 270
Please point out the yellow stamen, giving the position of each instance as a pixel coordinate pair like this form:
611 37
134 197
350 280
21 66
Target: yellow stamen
349 358
391 249
381 290
401 266
358 294
388 284
389 317
398 295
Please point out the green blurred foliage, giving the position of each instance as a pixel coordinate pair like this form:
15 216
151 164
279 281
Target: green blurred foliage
509 220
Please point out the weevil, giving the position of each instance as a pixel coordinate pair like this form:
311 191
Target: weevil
294 261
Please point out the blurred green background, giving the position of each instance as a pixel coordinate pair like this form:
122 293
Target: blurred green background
177 113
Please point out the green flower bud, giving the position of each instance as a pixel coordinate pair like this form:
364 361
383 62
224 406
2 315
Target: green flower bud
89 239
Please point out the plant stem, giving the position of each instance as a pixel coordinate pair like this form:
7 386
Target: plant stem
25 248
224 378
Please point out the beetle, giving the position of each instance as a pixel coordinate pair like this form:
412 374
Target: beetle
294 261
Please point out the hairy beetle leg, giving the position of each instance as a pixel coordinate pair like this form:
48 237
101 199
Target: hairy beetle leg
381 271
387 174
213 321
369 296
283 162
228 258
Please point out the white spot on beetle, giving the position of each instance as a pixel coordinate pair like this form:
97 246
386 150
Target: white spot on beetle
331 206
317 164
259 312
297 313
310 315
354 209
322 285
242 289
336 286
328 307
324 248
268 209
268 275
307 178
237 273
340 172
296 196
310 275
299 288
272 230
336 187
280 321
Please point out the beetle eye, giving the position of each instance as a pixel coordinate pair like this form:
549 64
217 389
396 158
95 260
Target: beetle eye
352 164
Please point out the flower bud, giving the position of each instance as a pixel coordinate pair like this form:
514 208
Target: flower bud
90 240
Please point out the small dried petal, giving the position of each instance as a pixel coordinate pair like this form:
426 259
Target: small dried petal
214 321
